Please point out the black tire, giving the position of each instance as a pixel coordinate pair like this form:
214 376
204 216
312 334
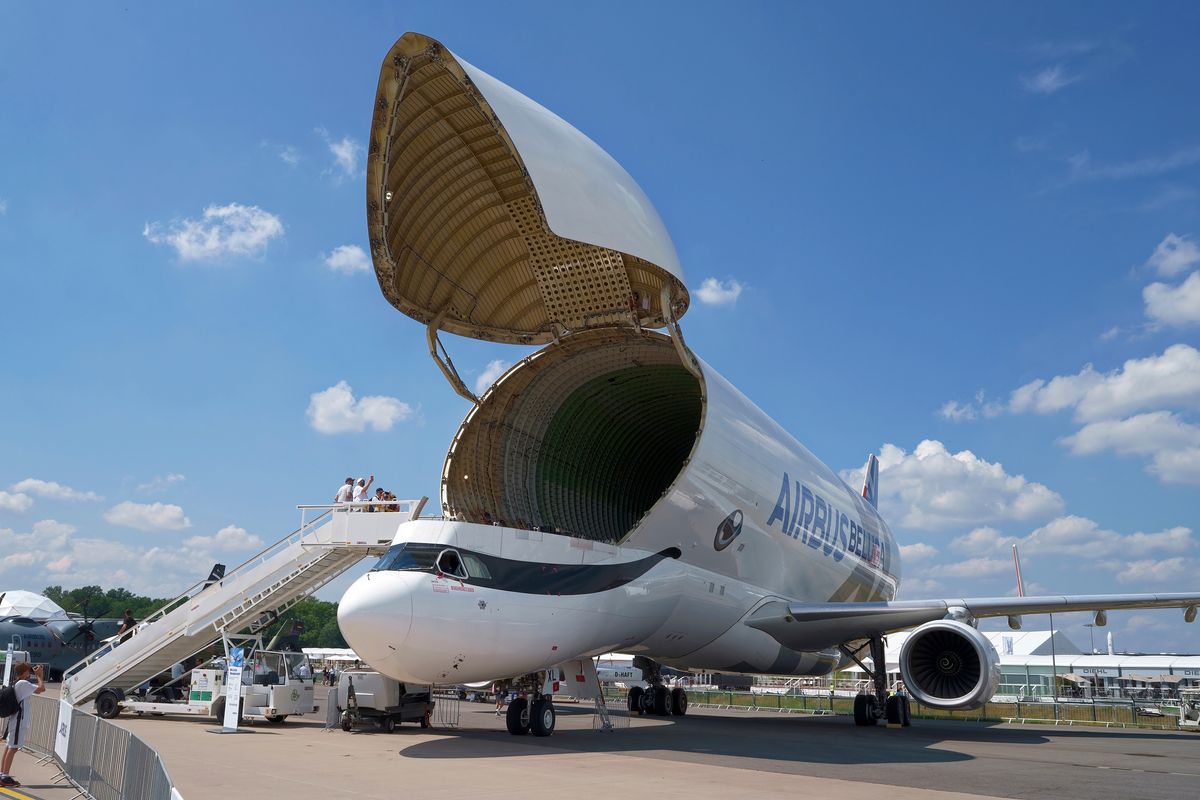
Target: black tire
635 700
387 724
276 719
905 712
864 710
108 704
347 723
542 718
425 723
892 710
662 701
517 717
679 701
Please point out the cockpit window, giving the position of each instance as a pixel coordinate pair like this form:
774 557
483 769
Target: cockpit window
410 556
449 563
475 566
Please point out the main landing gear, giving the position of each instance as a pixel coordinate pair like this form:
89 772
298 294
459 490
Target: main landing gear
870 708
656 698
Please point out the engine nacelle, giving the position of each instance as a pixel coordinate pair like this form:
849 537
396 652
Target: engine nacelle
948 664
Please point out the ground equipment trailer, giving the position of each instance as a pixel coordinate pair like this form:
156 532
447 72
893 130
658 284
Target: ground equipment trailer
1189 709
366 698
275 686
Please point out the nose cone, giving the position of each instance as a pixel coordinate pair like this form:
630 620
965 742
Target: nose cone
375 615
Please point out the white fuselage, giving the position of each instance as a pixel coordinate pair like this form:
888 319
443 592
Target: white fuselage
753 517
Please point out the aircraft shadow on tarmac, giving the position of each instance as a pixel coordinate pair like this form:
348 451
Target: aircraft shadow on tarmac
794 739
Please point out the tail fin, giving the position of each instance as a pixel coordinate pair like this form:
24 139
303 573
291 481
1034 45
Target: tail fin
870 490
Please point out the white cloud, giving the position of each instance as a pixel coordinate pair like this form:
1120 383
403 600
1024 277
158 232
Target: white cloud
15 502
918 551
3 206
161 483
289 155
231 537
1138 435
222 231
1082 167
1152 571
348 259
345 151
1174 305
51 553
1171 379
491 372
52 490
717 293
1172 444
1174 255
335 410
972 568
935 489
148 516
957 412
960 412
1075 536
1049 80
981 541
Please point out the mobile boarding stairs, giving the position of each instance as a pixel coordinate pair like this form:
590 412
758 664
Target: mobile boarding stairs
251 596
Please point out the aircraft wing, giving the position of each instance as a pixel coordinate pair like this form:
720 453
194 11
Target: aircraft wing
817 626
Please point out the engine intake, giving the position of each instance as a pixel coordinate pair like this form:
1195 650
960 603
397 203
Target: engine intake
948 664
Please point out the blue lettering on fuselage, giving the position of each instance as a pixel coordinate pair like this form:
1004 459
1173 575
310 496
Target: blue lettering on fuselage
805 515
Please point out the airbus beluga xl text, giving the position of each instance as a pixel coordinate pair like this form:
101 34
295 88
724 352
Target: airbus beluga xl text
611 491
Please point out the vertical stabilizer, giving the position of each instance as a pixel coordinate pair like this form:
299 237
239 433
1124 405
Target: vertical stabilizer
870 490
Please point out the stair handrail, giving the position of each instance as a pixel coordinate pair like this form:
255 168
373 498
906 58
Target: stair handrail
190 593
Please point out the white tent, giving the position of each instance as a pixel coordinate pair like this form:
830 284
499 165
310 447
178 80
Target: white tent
19 603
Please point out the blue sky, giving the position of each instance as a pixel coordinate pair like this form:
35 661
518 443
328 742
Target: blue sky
913 215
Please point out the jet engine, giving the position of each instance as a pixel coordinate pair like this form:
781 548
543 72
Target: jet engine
948 664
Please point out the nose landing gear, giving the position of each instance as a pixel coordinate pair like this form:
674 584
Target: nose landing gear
532 714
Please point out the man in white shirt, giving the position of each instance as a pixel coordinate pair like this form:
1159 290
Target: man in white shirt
17 725
360 490
344 491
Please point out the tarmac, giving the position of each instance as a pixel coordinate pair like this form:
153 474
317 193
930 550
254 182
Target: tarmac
708 753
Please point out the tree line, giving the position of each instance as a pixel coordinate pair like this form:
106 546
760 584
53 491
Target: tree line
319 616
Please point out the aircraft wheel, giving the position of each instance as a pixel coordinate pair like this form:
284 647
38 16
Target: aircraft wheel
425 723
893 710
387 724
541 721
635 700
905 712
679 701
662 701
517 717
864 709
108 704
276 719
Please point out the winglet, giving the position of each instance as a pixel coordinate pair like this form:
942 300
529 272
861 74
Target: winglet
870 490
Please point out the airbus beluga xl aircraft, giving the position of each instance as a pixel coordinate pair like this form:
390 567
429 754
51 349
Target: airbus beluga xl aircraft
611 491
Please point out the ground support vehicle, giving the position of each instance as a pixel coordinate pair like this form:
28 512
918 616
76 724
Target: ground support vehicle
1189 709
275 686
367 699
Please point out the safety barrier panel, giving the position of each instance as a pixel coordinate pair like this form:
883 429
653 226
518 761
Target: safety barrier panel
103 761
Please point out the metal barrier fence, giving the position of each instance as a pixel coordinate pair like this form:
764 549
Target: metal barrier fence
1118 713
104 761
